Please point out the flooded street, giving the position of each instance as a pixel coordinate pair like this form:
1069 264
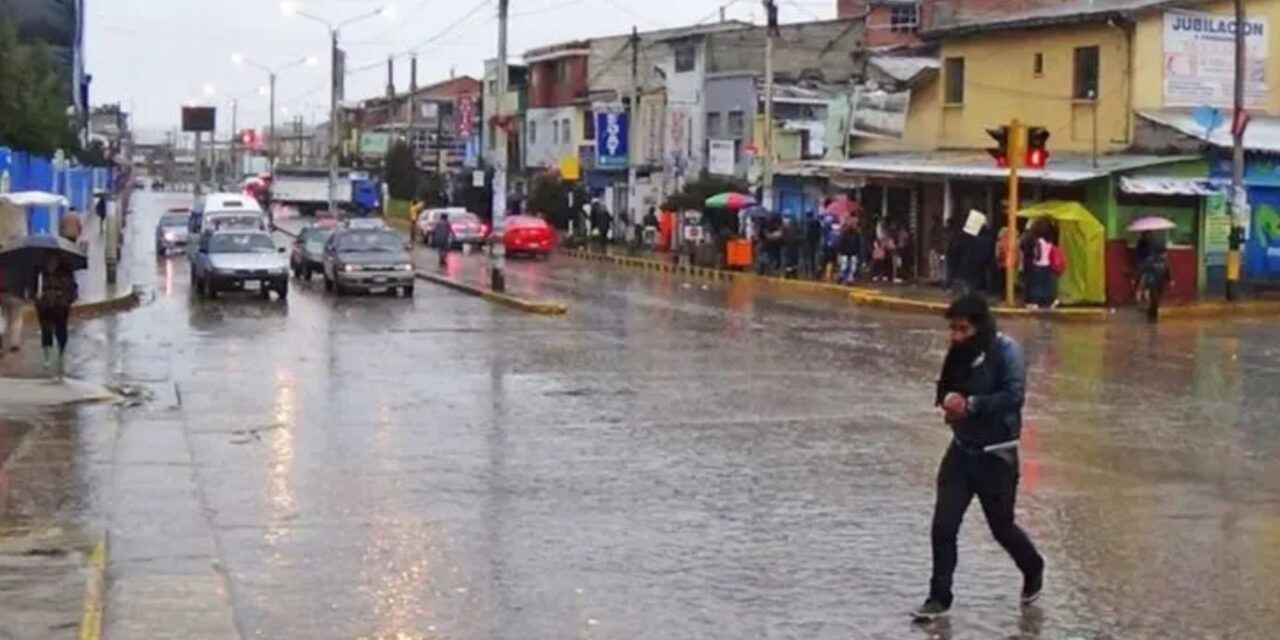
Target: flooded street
672 460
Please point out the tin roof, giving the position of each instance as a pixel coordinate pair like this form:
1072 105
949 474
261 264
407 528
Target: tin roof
903 69
1072 12
1063 168
1167 186
1262 133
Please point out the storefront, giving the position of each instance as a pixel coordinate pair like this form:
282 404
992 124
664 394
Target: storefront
1261 260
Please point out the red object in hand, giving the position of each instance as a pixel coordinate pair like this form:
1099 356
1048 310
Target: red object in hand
955 404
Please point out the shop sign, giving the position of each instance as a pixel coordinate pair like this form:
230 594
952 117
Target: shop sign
1217 230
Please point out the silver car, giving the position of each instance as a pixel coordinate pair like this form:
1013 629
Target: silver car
171 232
239 259
367 260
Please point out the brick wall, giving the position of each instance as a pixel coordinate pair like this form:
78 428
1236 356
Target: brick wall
545 92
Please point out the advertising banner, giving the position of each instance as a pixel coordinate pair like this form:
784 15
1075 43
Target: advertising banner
1199 59
721 159
612 131
374 144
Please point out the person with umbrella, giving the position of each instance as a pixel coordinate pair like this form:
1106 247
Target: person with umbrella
17 285
1154 276
53 260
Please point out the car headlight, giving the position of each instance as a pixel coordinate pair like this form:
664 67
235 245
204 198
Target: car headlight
350 267
170 236
405 267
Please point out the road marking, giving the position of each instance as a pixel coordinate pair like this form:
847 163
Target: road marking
91 620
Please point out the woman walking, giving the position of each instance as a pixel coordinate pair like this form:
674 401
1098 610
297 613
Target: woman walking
55 292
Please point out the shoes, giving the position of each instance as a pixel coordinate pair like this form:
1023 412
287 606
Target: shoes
929 611
48 360
1032 587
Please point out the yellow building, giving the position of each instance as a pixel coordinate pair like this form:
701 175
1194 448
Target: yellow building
1115 82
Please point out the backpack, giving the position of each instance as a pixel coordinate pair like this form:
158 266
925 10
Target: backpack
1057 260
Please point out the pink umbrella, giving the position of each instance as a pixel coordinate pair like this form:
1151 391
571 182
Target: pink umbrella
1152 223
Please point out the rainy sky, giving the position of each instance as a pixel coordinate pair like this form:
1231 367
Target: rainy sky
153 55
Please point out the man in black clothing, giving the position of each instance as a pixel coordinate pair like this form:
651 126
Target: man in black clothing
981 392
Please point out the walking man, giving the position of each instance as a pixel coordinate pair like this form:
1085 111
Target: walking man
981 392
442 238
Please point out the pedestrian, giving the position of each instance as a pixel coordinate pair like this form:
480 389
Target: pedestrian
651 228
56 291
442 238
100 208
981 392
1154 276
772 238
849 247
999 269
812 243
1141 252
17 286
881 248
831 228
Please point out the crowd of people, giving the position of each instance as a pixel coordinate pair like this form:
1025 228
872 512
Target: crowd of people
977 257
826 246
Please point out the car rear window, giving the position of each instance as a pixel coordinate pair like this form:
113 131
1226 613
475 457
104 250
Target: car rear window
369 240
464 218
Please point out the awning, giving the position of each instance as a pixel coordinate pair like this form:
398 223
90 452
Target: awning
1063 168
1262 134
1166 186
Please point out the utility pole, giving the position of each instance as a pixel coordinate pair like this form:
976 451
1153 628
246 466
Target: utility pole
1017 152
1239 202
498 280
633 206
235 140
335 131
271 126
771 30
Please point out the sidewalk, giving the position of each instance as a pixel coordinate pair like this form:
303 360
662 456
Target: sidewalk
921 298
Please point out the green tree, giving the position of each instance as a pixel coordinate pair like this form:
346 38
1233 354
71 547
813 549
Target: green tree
33 99
402 176
551 196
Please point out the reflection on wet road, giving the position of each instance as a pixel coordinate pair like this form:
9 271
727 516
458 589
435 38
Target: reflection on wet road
672 460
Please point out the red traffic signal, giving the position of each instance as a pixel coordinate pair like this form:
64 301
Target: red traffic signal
1037 154
251 140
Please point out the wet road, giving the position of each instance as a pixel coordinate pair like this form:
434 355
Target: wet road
671 460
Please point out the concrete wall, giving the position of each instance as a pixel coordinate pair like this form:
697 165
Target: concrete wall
547 150
546 92
683 139
725 94
823 50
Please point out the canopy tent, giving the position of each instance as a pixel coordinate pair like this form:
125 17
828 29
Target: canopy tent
1083 241
33 199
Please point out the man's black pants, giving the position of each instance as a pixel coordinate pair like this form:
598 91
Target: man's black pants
993 477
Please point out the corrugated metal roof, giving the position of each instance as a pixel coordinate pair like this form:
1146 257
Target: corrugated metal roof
903 69
1166 186
1074 12
1063 168
1262 134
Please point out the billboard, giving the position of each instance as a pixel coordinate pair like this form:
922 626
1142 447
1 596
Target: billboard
721 157
1199 59
374 144
199 119
612 132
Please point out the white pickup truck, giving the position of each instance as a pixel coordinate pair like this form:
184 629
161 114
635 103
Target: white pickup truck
308 189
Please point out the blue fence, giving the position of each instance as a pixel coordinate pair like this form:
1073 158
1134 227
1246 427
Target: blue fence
20 171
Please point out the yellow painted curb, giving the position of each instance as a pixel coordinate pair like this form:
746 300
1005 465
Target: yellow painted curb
540 307
94 308
91 619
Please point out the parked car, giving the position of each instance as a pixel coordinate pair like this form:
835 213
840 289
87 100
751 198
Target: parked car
239 259
529 235
171 231
467 227
367 260
307 256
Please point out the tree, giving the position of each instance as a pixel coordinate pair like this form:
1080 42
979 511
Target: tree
33 99
550 196
402 179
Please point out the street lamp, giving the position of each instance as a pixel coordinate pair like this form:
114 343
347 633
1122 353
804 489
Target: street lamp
291 8
270 89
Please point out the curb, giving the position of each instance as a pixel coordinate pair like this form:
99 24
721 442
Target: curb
507 300
1254 309
94 308
91 617
854 295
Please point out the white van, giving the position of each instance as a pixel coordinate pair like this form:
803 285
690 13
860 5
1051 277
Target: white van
216 210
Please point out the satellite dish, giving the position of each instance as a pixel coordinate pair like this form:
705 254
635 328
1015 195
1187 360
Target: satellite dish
1207 117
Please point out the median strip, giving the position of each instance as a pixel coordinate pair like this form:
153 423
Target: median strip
540 307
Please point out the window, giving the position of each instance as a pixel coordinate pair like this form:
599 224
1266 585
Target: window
1037 65
493 87
737 124
904 18
565 132
560 71
1086 74
686 57
713 124
588 125
954 72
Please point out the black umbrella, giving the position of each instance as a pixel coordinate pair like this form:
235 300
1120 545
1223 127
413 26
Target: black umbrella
30 252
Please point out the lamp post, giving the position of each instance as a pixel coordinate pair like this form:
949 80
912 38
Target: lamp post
272 73
291 9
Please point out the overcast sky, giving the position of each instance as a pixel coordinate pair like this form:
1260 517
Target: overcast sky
153 55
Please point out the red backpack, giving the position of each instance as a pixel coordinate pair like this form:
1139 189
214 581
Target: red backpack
1057 260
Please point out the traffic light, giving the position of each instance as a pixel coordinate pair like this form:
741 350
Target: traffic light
1001 151
1037 154
250 139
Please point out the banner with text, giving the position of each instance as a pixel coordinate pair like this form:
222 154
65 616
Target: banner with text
1199 59
612 131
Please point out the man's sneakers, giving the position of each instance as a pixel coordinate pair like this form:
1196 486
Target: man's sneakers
929 611
1032 587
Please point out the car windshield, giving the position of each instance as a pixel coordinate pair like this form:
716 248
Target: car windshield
241 243
369 241
312 237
